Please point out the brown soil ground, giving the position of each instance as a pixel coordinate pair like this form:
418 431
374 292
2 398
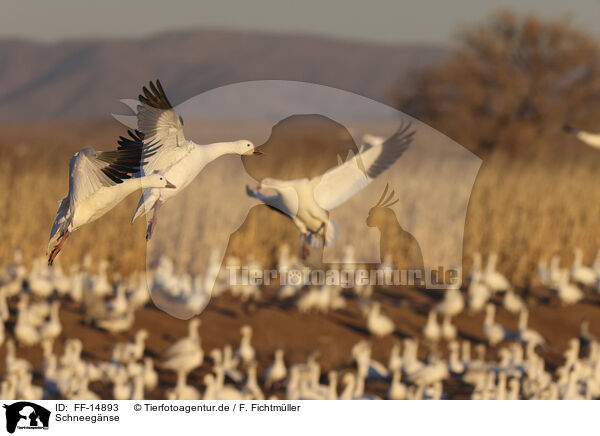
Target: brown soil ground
333 334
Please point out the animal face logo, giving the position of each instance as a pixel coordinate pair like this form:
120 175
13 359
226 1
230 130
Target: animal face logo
378 212
26 415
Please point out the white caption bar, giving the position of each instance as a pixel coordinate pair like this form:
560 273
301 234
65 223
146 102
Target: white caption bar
298 417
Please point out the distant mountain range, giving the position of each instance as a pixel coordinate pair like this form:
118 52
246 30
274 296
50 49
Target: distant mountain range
85 79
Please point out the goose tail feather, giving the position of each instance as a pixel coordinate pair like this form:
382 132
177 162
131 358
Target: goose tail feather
146 203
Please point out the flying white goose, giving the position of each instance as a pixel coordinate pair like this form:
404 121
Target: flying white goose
178 158
98 180
308 201
591 139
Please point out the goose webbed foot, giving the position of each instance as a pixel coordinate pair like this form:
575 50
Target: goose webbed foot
305 250
149 230
58 247
152 223
53 255
322 227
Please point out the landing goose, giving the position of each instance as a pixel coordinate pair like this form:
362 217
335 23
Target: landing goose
308 201
98 180
178 158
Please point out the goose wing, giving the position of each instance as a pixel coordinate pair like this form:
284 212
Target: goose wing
91 170
158 121
285 201
340 183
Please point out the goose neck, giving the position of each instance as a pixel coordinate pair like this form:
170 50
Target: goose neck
218 149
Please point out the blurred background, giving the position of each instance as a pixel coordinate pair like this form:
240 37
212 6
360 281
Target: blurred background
501 78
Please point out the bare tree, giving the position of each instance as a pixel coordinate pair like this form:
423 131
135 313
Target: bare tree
510 82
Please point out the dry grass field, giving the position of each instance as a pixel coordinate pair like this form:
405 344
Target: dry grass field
523 208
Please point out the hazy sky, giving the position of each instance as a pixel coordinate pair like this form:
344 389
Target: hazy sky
391 21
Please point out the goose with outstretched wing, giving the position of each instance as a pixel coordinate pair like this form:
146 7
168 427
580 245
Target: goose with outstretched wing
308 201
178 158
98 181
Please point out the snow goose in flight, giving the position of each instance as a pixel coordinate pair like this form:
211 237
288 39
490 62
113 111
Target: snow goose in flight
308 201
591 139
98 180
178 158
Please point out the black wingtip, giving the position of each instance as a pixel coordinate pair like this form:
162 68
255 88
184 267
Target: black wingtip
129 156
136 140
154 96
567 128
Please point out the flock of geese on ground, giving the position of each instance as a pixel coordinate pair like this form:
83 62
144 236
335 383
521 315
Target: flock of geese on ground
518 372
160 160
